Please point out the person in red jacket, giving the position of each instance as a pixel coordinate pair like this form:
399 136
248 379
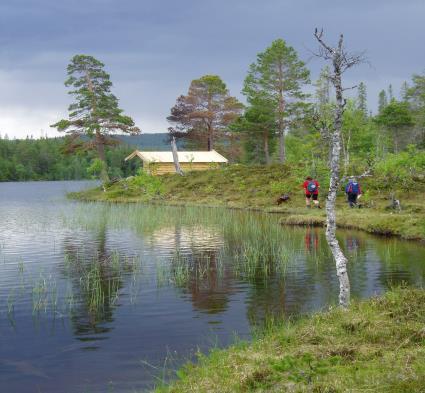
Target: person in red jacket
311 188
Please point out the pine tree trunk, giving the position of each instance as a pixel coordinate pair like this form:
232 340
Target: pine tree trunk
339 257
100 147
281 123
282 153
210 138
266 147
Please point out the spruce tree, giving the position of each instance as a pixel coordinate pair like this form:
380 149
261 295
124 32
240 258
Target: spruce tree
382 101
390 93
94 115
404 91
362 99
323 87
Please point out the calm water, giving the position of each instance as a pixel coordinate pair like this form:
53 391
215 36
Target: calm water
97 298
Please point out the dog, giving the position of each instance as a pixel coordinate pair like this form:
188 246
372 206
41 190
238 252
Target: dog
283 198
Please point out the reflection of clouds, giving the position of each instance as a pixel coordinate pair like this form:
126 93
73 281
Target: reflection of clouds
196 237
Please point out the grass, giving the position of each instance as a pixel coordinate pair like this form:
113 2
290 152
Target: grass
257 188
377 345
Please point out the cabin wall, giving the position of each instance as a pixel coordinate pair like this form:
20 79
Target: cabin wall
161 168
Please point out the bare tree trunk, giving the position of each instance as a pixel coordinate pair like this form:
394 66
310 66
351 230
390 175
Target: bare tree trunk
341 61
339 257
176 157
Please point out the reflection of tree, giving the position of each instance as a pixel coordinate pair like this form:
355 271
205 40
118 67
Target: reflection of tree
96 280
197 266
399 261
209 283
266 300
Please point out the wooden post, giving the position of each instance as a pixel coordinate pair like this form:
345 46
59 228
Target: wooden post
176 157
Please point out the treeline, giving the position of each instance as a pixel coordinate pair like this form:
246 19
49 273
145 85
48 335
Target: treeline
47 159
281 123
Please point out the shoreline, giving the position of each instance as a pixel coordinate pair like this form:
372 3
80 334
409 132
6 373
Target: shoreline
296 217
378 343
256 188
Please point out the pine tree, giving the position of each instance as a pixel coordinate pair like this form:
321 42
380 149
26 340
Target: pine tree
258 128
279 75
95 113
362 99
203 115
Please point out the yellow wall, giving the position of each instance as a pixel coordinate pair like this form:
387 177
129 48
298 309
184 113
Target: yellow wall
160 168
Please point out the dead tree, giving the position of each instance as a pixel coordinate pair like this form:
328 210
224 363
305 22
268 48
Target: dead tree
341 61
176 157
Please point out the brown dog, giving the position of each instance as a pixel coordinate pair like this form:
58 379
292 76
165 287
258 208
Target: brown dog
283 198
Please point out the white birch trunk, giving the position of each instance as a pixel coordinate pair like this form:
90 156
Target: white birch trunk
341 61
339 257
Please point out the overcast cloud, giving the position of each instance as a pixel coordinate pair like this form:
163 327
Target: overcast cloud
153 49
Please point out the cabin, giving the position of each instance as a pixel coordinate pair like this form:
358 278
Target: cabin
161 162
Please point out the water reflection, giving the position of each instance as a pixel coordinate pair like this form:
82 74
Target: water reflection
135 282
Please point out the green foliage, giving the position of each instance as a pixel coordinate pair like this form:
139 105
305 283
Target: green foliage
149 185
95 113
45 159
96 168
258 127
404 171
362 99
277 78
95 109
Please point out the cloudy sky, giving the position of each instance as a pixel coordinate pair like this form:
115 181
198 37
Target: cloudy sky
153 49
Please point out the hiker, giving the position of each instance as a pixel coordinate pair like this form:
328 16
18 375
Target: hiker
353 191
311 188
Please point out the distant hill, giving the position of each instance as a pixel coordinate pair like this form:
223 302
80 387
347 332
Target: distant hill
152 142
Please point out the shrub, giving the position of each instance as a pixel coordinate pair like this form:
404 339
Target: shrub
405 170
150 185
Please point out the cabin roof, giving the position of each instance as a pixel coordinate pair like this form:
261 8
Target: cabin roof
184 156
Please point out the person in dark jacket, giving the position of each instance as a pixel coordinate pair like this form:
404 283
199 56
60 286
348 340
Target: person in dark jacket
353 191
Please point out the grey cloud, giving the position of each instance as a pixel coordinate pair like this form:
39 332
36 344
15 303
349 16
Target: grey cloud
153 49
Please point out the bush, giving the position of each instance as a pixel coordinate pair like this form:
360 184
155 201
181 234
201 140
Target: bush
150 185
405 170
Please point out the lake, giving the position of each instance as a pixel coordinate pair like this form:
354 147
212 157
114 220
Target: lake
98 297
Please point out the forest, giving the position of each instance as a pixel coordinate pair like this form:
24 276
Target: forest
286 118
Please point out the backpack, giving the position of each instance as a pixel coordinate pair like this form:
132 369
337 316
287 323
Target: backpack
311 187
353 188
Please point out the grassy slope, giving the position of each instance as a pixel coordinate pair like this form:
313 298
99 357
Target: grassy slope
376 346
257 187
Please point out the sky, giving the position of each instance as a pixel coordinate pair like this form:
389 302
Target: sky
153 49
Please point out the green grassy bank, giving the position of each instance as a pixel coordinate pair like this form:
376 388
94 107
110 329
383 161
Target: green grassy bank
377 345
257 187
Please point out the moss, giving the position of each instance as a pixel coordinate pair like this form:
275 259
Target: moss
377 345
